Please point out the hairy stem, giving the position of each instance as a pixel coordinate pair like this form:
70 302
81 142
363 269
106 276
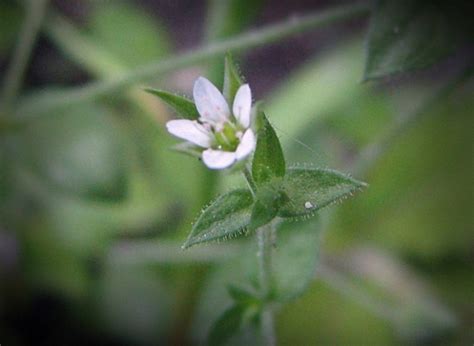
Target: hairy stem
272 33
19 61
265 240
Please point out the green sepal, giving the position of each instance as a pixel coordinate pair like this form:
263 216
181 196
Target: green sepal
183 106
232 79
309 190
256 113
188 149
228 216
268 160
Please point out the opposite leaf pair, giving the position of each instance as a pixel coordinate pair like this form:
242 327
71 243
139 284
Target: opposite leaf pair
279 192
221 139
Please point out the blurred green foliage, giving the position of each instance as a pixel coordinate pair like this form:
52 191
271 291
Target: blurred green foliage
81 186
142 37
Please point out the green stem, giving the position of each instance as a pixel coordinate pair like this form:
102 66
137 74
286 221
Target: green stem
265 241
29 32
249 179
81 49
272 33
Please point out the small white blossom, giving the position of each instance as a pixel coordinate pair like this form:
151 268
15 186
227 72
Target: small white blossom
225 137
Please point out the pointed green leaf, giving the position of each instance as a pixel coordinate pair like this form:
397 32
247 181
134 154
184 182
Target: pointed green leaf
268 161
228 324
257 109
309 190
232 79
268 201
183 106
406 35
188 149
228 216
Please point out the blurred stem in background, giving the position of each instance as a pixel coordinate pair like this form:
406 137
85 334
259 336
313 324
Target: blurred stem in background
42 105
96 60
35 11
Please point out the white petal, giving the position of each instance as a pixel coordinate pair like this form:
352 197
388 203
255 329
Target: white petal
242 105
218 159
246 146
209 101
191 131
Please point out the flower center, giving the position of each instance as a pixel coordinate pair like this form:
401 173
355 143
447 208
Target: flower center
228 138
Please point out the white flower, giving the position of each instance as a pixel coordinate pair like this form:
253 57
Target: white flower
226 137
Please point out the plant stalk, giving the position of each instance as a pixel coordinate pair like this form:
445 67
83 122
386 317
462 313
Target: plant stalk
265 241
21 56
249 180
252 39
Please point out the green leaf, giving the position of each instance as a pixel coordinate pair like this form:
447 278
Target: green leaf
406 35
142 38
232 79
228 324
268 201
10 21
309 190
228 216
183 106
295 259
227 18
188 149
268 161
80 151
242 296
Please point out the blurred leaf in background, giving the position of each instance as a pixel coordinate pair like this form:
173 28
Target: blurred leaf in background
78 183
10 16
141 38
407 35
79 152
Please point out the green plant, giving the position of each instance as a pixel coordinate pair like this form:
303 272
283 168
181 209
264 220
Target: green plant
225 139
99 206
